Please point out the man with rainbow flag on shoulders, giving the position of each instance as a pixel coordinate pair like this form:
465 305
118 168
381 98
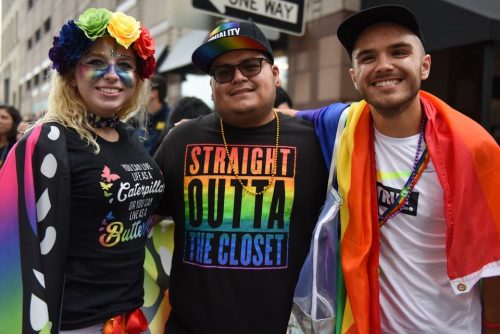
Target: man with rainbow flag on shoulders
420 220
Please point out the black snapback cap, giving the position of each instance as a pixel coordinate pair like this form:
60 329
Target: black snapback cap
349 30
231 36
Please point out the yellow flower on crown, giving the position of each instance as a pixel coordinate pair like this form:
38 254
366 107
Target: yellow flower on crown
125 29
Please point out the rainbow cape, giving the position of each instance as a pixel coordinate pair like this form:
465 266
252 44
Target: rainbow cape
34 216
467 162
33 232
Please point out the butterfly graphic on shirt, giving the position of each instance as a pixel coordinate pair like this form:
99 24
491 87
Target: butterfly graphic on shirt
106 174
110 216
104 222
105 186
107 182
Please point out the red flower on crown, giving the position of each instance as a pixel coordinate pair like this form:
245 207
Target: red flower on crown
147 67
144 46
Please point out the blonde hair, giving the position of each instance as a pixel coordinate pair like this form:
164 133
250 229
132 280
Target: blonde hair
65 106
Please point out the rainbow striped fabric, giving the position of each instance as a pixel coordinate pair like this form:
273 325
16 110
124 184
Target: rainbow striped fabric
467 161
10 257
33 238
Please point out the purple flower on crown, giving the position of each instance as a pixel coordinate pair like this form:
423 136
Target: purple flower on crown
68 47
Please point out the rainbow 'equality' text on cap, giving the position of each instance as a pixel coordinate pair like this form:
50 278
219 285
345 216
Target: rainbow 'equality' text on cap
231 36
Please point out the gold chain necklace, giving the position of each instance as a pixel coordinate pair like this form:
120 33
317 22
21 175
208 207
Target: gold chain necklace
275 158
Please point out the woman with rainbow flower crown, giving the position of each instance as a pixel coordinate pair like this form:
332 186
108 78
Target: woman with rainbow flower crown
79 189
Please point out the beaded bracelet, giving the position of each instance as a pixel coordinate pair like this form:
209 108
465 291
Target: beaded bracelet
490 325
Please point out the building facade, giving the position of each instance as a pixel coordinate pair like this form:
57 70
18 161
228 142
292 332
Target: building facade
314 66
28 27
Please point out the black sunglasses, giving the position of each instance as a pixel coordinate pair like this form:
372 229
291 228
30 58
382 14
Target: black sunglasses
249 67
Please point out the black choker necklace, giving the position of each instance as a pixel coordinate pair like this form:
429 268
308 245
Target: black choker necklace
101 122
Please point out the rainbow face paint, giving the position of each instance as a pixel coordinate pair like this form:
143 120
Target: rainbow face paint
97 64
106 81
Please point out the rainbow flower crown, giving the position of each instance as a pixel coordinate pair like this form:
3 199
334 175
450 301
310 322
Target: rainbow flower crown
76 37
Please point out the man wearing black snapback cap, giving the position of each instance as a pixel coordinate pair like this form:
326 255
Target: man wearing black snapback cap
245 192
420 183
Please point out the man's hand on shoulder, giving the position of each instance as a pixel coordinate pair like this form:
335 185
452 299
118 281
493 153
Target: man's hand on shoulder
289 112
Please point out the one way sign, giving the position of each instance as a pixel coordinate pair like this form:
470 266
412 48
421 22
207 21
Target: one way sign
283 15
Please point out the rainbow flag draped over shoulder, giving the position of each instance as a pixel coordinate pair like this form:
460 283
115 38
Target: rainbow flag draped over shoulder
467 162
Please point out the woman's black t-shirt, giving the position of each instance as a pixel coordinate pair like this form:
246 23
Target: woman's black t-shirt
113 195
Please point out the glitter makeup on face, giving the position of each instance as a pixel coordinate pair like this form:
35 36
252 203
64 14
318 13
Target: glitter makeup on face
112 53
94 73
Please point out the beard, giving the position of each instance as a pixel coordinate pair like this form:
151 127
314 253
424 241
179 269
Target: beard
394 109
392 105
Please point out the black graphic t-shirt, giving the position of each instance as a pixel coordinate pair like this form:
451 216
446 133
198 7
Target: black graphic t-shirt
237 256
113 194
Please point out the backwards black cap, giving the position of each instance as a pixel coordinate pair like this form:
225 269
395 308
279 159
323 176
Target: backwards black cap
349 30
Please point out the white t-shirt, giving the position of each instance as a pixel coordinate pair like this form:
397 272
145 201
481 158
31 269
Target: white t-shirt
415 293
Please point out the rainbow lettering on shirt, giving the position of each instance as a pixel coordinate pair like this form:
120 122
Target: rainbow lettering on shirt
138 197
225 227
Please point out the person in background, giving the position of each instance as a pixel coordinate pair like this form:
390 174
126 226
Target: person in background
158 112
245 192
22 127
78 192
283 100
420 182
187 108
9 120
